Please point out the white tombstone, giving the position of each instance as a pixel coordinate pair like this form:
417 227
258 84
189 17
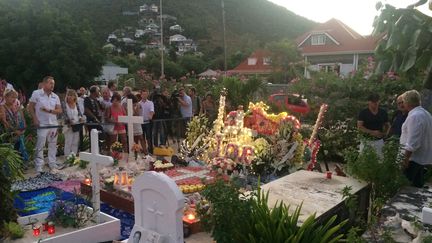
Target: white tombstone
95 159
130 120
159 206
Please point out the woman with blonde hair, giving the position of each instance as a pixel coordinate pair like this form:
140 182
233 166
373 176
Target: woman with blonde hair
73 118
13 120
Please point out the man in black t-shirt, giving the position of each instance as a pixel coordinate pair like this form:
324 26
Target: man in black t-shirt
373 123
93 109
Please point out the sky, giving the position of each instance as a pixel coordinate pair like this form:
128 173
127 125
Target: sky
358 14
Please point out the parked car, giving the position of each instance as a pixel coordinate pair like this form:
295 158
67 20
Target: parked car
290 102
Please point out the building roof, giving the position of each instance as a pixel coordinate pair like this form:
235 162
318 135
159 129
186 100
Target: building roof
258 68
345 40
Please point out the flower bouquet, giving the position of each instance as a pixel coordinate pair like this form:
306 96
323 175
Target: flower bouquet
223 165
72 160
160 165
136 148
69 214
116 152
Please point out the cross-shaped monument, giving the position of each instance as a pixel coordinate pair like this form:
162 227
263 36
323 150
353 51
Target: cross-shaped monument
130 119
95 159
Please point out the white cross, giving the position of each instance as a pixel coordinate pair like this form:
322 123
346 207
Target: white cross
130 119
156 213
189 174
95 159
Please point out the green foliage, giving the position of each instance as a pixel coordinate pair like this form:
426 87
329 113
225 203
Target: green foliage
36 41
13 230
232 217
384 174
407 47
70 214
278 224
345 99
227 211
192 63
285 60
241 92
10 170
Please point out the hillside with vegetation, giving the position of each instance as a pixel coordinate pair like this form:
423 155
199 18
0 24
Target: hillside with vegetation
249 23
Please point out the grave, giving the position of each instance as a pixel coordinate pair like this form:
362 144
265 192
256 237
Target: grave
159 208
104 228
317 194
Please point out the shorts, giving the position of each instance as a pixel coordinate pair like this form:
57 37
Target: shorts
118 132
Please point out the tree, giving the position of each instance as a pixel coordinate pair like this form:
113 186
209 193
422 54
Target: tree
35 43
192 63
406 47
285 58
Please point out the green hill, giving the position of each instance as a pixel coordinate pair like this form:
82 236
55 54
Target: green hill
249 23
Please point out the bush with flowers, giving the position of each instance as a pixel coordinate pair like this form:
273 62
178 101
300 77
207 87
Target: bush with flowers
223 165
72 160
69 214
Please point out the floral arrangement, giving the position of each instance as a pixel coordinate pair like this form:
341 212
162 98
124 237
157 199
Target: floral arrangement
223 165
117 147
196 142
72 160
116 152
161 165
136 148
69 214
191 188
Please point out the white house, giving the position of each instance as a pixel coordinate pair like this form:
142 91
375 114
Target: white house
111 71
176 28
154 8
335 47
144 8
139 33
128 41
177 38
152 26
111 37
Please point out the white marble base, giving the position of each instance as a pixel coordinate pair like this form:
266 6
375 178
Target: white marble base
318 194
107 230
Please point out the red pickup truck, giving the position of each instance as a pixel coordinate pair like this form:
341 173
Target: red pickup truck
290 102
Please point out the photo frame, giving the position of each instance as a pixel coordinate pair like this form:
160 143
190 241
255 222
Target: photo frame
141 235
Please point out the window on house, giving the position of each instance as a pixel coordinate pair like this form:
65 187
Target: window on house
267 60
252 61
318 40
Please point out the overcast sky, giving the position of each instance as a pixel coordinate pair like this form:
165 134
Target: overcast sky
358 14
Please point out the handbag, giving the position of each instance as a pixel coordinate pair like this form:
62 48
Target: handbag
76 127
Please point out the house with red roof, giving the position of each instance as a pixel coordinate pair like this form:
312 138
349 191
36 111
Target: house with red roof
334 47
258 63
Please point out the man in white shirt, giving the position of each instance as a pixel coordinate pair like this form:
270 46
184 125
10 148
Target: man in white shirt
44 107
416 138
147 112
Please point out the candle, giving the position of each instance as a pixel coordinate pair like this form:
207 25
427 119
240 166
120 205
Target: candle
87 181
36 230
51 228
191 216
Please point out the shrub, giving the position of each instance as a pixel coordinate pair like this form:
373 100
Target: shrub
14 230
233 217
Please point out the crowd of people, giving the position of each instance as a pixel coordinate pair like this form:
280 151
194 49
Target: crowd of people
411 125
165 115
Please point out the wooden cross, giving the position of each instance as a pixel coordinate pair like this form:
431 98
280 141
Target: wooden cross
95 159
156 213
130 119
